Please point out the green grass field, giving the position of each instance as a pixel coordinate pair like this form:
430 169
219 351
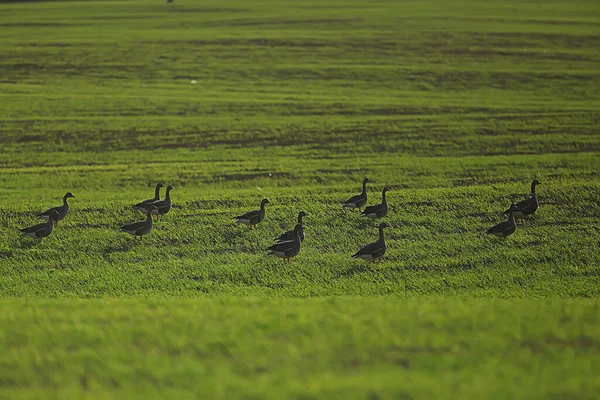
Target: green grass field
455 105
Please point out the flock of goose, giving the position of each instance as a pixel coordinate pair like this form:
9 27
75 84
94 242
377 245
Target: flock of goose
288 244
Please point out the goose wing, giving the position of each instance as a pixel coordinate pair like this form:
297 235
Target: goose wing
371 249
285 237
354 200
144 204
34 228
133 227
250 217
46 214
502 229
377 210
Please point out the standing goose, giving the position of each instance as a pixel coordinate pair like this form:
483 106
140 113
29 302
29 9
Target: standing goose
289 249
506 228
360 199
374 251
161 207
289 235
529 205
378 210
142 206
62 211
44 229
253 217
140 228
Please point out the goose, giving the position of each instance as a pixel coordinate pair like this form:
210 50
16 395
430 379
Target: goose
253 217
506 228
289 235
529 205
161 207
44 229
140 228
288 249
378 210
61 210
360 199
142 206
374 251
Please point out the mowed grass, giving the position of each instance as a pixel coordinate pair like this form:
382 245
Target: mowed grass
457 106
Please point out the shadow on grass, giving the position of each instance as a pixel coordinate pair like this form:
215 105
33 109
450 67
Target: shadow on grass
358 268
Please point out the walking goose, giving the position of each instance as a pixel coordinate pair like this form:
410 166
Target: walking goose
140 228
61 210
44 229
289 235
378 210
506 228
374 251
289 249
529 205
360 199
142 206
253 217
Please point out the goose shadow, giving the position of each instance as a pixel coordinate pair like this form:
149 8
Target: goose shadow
26 243
121 247
359 268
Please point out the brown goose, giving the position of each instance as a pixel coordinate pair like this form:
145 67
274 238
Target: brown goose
142 206
289 249
44 229
140 228
289 235
527 206
253 217
506 228
378 210
62 211
374 251
360 199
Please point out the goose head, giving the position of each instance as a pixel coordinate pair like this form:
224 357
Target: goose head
535 182
160 185
169 188
264 202
383 225
366 180
302 214
68 195
386 189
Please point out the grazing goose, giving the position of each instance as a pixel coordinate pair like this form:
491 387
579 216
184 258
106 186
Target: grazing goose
289 249
289 235
378 210
140 228
529 205
142 206
44 229
360 199
374 251
253 217
61 210
506 228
